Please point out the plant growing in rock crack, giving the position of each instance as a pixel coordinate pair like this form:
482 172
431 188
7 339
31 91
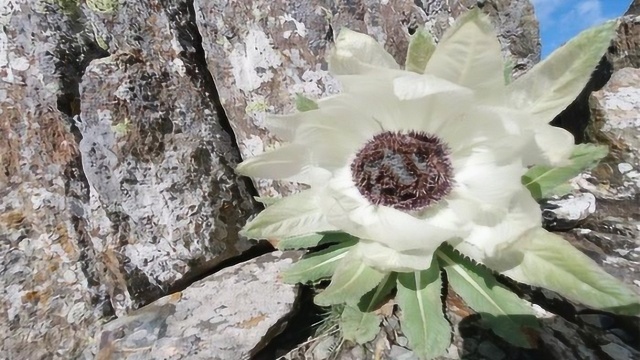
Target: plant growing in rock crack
434 168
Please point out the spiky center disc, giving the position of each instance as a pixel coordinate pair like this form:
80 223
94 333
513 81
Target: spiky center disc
404 171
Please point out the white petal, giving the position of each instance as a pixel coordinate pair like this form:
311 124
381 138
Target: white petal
428 113
494 232
284 126
290 162
481 178
551 146
554 83
469 55
415 86
384 258
401 231
294 215
475 127
337 136
357 53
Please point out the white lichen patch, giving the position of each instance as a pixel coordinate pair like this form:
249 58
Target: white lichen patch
300 28
8 8
177 65
624 167
252 146
251 62
625 100
576 207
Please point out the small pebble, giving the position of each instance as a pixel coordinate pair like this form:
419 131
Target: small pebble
624 167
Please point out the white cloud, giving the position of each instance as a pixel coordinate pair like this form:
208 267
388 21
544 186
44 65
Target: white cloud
545 8
589 12
569 12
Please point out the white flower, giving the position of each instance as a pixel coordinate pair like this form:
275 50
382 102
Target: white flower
406 161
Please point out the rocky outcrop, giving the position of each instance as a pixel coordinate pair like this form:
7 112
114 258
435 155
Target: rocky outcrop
226 316
116 169
165 203
625 49
263 53
52 296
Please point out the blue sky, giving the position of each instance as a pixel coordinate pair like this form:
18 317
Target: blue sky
560 20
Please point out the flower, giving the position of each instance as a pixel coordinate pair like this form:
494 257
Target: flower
405 161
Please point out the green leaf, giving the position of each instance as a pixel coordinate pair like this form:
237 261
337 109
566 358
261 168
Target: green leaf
554 83
371 300
503 311
360 323
544 181
360 327
551 262
351 280
318 265
294 215
508 71
313 240
423 322
421 47
304 103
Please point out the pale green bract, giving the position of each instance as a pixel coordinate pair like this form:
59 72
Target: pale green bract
545 181
504 156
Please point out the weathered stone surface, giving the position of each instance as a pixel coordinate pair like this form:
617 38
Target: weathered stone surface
262 53
225 316
158 204
615 119
50 297
634 8
568 211
612 235
625 49
165 202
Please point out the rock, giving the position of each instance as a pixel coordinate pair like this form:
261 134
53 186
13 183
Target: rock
51 297
165 203
634 8
225 316
116 178
625 48
612 236
615 117
263 54
568 211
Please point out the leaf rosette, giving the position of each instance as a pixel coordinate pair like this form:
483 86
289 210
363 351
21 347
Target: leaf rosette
405 166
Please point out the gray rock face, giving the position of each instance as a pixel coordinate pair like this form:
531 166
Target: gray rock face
165 202
568 212
51 297
625 49
112 191
264 52
222 317
615 117
612 236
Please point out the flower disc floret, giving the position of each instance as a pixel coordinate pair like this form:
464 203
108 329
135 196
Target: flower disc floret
404 171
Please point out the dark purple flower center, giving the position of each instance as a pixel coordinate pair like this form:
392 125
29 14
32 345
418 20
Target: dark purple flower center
404 171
